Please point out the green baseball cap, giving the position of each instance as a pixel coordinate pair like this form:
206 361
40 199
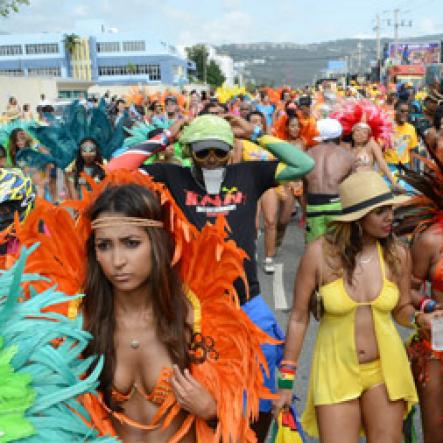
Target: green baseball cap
208 128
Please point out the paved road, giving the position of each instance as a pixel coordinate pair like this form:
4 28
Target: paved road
277 291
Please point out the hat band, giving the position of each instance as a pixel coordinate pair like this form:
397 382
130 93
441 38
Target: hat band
367 203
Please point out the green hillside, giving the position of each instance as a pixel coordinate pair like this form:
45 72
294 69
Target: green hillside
294 64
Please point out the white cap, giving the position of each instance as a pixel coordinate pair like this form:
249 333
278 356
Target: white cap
328 129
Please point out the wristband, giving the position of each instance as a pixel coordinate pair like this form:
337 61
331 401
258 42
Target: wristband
413 320
286 378
257 133
288 364
166 137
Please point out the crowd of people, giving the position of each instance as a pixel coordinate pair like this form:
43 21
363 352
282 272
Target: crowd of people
151 206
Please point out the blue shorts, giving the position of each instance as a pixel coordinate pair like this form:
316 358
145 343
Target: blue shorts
263 317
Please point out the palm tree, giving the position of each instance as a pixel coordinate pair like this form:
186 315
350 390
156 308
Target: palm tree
70 41
131 68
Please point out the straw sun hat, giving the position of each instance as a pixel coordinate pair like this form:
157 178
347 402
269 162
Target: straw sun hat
362 192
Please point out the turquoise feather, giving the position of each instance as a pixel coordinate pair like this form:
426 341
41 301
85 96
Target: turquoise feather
31 367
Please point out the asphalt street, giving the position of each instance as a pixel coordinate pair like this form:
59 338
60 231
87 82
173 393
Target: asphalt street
277 289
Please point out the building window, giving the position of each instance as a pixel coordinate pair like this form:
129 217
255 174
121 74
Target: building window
11 50
153 71
108 46
42 48
45 72
71 94
12 72
134 46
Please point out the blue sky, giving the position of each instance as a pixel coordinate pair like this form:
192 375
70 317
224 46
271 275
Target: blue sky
232 21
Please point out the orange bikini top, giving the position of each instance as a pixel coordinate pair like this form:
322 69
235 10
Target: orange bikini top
158 394
161 395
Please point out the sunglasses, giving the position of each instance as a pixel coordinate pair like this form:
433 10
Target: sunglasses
88 148
204 154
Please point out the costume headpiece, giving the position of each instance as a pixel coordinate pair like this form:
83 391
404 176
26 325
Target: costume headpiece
62 139
352 112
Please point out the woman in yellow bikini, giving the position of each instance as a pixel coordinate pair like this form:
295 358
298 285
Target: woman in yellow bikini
360 375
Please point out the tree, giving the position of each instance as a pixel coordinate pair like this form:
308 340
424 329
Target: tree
215 75
131 68
9 6
71 41
206 72
199 55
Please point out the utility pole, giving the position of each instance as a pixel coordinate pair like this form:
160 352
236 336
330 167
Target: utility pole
359 54
205 54
396 23
377 30
378 35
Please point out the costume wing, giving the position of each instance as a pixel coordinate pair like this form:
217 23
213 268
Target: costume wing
41 374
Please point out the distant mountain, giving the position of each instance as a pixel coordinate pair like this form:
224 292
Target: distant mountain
297 64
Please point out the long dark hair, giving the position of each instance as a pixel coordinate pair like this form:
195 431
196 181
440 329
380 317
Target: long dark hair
169 303
345 240
13 143
80 163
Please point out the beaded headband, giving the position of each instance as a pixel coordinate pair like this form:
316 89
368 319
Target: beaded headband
106 222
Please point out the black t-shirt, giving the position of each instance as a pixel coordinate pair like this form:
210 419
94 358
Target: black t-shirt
243 185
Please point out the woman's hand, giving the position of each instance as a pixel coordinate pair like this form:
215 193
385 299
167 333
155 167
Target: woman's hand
424 320
398 189
192 396
284 401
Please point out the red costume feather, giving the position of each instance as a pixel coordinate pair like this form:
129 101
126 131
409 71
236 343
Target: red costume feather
351 112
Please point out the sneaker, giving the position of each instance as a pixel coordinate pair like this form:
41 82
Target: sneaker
268 265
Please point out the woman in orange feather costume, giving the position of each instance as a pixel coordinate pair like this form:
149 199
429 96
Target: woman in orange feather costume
182 359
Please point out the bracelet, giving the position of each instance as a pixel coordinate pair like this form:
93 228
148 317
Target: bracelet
427 305
289 364
413 320
256 133
164 140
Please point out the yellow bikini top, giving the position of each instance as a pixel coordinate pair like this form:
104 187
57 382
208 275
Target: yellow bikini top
337 301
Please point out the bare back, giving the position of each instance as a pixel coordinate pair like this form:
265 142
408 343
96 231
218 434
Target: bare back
333 164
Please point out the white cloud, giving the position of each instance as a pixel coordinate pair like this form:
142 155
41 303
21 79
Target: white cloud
427 25
232 26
